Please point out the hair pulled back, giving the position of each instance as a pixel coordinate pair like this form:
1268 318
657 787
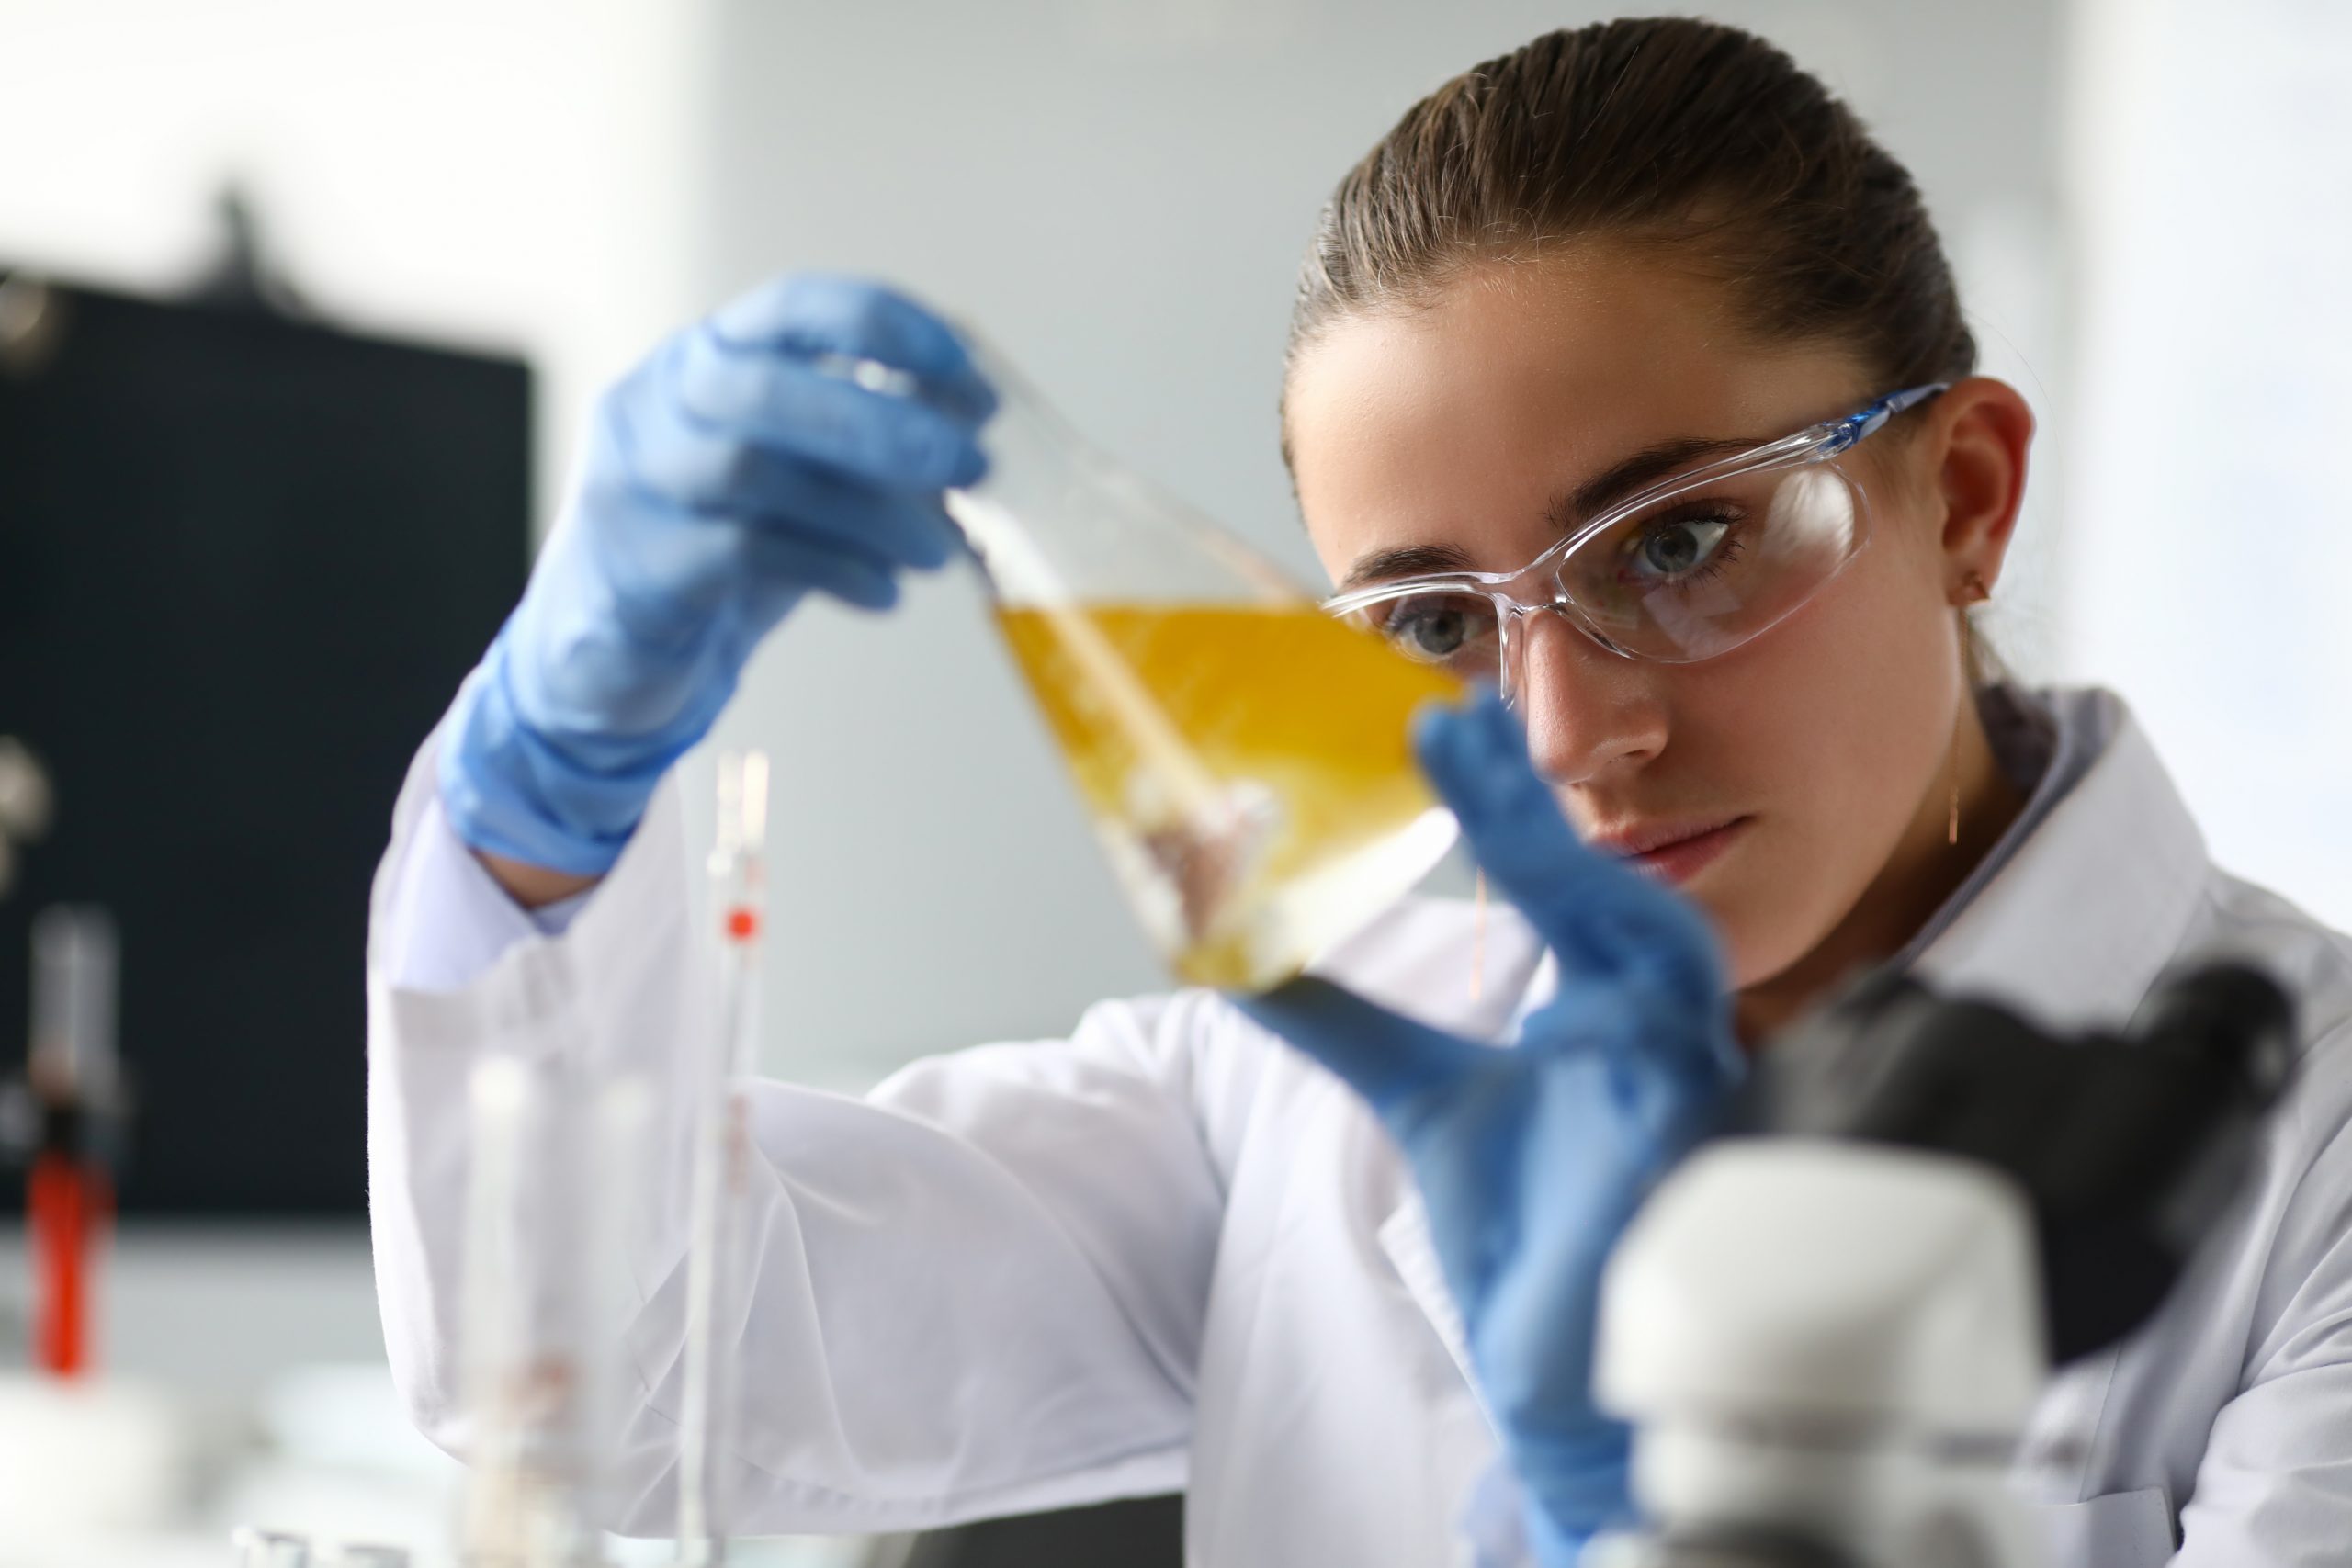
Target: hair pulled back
1669 132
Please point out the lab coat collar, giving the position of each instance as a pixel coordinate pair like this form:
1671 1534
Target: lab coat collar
2092 907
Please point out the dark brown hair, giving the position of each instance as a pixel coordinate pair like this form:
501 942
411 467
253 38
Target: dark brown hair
1695 138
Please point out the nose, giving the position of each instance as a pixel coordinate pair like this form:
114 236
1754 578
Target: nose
1590 714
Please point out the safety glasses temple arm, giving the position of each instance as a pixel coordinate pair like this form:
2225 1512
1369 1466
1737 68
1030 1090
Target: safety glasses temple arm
1866 422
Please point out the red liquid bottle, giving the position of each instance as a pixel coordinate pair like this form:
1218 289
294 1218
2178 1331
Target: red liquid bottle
69 1109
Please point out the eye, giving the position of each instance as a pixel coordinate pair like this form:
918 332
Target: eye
1677 548
1438 628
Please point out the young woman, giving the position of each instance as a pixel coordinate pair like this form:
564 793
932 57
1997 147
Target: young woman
1627 374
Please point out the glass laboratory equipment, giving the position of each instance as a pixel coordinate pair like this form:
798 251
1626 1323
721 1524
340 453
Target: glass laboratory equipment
719 1236
269 1548
517 1506
1243 756
66 1120
555 1156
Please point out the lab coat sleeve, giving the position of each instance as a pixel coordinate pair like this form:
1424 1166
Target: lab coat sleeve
445 921
978 1291
2275 1485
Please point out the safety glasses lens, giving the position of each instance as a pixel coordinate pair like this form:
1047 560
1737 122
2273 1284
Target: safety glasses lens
1455 631
1704 570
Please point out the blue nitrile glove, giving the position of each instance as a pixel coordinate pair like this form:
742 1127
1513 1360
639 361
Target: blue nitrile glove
726 477
1531 1159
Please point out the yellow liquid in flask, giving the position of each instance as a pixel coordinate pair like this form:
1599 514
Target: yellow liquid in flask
1247 766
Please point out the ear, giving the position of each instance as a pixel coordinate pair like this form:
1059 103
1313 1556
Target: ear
1980 433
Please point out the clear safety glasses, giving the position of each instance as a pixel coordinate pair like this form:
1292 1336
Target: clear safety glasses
1688 568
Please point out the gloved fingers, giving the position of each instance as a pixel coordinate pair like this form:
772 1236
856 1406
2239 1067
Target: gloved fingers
1573 1499
815 314
1669 1053
789 565
794 408
812 313
1681 1060
1387 1059
1597 914
1550 1298
905 530
698 470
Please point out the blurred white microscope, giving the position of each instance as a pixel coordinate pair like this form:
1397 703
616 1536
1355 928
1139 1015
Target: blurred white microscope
1828 1332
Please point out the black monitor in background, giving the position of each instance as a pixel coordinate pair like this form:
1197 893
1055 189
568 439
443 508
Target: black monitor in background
244 563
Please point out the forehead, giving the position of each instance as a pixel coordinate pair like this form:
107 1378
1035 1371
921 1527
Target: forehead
1462 421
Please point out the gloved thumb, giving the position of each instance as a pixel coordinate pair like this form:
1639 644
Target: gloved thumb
1600 916
1388 1059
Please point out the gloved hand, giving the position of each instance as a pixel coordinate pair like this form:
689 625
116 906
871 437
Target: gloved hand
727 477
1531 1159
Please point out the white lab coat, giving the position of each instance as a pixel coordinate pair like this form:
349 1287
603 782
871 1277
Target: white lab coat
1166 1252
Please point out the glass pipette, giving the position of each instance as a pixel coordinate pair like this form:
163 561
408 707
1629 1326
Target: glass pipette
716 1264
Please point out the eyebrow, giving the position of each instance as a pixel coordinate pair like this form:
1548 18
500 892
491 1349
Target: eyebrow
1587 500
1612 484
1408 560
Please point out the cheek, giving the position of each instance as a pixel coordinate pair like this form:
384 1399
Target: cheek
1834 723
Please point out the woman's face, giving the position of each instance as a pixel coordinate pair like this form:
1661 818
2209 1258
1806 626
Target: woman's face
1825 744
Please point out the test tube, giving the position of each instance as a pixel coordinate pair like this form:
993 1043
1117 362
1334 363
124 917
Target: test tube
269 1548
716 1267
73 1077
494 1526
525 1341
556 1153
73 996
372 1557
606 1229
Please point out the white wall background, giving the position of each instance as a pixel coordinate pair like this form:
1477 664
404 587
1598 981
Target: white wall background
2208 549
1118 194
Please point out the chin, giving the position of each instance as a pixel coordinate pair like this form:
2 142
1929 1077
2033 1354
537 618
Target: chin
1748 957
1762 932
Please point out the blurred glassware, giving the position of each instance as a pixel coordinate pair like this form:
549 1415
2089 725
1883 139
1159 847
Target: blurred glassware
1244 756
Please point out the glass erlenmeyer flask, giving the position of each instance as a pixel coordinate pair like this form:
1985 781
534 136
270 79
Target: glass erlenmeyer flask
1244 756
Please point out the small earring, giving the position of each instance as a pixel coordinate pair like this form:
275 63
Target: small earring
1952 767
1971 592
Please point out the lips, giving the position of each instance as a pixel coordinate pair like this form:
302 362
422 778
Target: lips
1675 852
